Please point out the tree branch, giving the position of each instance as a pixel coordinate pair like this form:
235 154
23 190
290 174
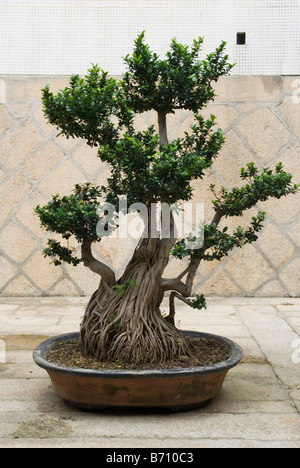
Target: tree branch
185 289
106 273
218 216
169 284
185 272
171 317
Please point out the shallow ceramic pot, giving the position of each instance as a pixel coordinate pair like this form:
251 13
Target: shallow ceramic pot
173 389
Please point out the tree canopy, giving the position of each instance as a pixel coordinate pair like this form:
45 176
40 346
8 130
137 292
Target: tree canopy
145 166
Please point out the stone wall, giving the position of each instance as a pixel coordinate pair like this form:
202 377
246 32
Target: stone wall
261 119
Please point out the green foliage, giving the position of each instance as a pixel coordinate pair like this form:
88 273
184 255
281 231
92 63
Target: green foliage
60 254
181 81
199 302
261 186
85 108
218 242
75 215
122 288
148 172
101 110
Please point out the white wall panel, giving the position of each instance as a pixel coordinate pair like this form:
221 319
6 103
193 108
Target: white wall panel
66 36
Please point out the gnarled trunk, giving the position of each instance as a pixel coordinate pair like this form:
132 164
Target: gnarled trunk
125 323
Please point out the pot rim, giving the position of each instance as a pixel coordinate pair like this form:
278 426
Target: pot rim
236 354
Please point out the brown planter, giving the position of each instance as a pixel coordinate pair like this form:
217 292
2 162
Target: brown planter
173 389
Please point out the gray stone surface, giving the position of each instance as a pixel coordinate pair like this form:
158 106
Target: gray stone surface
257 408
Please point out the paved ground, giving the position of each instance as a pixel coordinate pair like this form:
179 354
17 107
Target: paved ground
259 405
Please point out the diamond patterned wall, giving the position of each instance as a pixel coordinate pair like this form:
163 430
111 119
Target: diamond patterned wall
261 119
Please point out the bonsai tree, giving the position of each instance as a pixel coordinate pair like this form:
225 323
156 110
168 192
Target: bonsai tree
123 319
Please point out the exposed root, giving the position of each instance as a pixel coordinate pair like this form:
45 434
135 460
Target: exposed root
126 324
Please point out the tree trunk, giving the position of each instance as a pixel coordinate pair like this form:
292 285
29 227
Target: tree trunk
126 324
162 128
123 322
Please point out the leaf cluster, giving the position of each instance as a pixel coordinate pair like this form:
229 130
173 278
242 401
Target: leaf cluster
148 172
86 107
60 254
100 110
144 166
199 302
218 242
261 186
122 288
74 215
181 81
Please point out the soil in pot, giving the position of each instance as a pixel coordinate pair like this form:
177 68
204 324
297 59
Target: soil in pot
207 351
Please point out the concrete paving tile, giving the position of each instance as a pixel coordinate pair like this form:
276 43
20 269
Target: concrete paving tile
259 405
33 329
234 406
216 308
7 309
56 301
251 301
207 319
25 389
294 320
220 309
289 375
22 342
62 329
252 310
252 351
251 382
23 370
52 405
17 406
50 311
231 332
19 357
296 403
29 425
264 427
70 321
290 315
140 443
22 323
275 337
289 308
180 427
